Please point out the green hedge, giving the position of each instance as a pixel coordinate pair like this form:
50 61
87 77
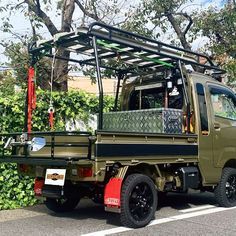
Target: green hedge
17 191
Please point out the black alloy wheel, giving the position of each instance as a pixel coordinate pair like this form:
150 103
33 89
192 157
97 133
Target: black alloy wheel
138 201
230 188
225 192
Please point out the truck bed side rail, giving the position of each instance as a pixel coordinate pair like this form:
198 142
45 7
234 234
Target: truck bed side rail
58 146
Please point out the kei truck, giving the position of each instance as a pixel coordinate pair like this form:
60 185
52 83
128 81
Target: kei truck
172 128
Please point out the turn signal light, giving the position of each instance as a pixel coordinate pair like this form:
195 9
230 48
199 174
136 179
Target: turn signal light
85 172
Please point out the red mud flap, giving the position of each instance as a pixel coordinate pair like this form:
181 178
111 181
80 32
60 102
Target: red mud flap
112 195
38 185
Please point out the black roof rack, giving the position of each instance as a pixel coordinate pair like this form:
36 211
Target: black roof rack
120 50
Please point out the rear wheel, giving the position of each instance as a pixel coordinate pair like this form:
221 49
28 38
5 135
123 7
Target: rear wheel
138 201
225 192
62 204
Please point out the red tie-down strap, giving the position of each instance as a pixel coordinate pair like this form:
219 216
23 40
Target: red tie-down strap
51 117
31 97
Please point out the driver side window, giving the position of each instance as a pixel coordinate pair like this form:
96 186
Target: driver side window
223 102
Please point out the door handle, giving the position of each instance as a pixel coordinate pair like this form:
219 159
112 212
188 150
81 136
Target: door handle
216 126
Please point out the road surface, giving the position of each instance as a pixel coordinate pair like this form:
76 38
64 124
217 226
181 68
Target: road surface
181 214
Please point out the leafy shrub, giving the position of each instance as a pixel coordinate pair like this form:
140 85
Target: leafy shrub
17 191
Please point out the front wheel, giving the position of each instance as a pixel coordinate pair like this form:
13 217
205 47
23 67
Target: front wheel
225 192
138 201
61 205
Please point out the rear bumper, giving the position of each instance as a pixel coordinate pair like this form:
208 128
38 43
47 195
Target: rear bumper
52 192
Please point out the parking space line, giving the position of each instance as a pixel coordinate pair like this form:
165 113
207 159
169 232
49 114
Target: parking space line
197 208
160 221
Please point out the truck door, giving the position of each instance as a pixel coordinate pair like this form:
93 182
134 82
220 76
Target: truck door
223 110
206 164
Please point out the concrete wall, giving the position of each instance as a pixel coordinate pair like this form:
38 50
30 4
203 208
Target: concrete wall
84 83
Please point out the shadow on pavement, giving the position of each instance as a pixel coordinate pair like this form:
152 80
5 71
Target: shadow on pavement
89 210
86 209
181 201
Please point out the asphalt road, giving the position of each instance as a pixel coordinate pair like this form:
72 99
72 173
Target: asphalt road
180 214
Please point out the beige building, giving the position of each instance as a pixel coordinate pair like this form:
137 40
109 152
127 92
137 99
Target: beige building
85 83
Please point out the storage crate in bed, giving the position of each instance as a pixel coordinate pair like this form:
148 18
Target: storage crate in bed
158 120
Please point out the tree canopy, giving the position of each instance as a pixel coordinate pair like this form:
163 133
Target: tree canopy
72 13
219 26
163 20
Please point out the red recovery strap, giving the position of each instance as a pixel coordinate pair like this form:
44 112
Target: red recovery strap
31 97
51 117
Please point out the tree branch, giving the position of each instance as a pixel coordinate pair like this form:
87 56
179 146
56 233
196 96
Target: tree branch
179 32
188 17
41 14
87 13
94 9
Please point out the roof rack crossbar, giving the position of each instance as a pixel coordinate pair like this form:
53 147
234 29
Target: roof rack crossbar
112 29
187 60
81 62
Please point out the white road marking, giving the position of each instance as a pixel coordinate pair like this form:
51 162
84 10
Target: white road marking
160 221
197 208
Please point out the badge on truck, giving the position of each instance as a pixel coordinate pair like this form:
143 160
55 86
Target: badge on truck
55 177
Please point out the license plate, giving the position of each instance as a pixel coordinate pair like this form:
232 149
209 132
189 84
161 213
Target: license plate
55 177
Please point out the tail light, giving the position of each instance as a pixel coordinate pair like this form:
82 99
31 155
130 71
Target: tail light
85 172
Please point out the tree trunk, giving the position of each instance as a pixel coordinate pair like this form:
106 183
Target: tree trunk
61 67
60 78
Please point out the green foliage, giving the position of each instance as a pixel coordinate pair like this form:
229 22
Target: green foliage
7 82
150 18
219 26
19 61
71 105
17 191
230 67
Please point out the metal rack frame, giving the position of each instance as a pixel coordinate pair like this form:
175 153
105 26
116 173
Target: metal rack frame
134 53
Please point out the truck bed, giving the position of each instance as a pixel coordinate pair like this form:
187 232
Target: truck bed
122 146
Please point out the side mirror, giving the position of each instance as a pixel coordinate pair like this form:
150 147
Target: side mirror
37 143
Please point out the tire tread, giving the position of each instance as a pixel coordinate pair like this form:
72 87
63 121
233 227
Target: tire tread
220 195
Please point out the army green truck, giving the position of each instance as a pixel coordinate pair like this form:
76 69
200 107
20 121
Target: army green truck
173 128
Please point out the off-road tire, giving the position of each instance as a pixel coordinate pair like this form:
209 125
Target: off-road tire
225 191
138 197
61 205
